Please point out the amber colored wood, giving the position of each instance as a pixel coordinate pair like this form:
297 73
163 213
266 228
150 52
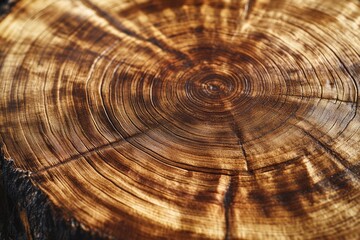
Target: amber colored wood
192 119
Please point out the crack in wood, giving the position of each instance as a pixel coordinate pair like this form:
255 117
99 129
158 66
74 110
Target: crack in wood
89 152
248 8
152 40
328 149
236 130
317 97
227 203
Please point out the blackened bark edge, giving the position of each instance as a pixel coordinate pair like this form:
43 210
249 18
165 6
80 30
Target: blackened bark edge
6 5
30 214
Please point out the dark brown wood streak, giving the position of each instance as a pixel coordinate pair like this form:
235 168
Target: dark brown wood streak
191 119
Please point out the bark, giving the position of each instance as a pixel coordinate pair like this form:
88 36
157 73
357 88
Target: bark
6 5
28 214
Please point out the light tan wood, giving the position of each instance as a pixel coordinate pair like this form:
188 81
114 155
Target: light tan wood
187 119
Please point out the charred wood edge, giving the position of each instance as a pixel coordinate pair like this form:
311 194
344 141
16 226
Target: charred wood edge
30 214
5 6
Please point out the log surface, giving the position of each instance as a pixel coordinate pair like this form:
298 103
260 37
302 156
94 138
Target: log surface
182 119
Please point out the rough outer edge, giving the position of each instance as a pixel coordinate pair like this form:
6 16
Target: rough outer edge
5 6
44 220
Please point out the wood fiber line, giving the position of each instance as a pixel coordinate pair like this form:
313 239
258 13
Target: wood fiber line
191 119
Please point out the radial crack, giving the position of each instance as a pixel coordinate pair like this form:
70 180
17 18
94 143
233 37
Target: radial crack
227 202
328 149
236 130
91 151
248 7
317 97
119 26
336 156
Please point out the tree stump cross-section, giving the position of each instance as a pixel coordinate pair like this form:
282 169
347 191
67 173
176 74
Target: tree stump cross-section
201 119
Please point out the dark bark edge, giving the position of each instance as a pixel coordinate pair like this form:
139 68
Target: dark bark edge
6 5
29 214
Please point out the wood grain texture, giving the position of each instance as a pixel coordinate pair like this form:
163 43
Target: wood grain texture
183 119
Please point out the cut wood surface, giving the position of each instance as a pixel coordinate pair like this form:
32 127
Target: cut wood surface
183 119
